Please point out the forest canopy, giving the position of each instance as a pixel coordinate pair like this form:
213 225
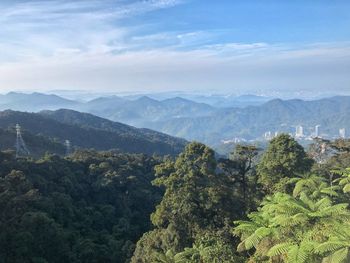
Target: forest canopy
284 204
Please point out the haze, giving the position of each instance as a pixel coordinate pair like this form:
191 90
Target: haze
281 48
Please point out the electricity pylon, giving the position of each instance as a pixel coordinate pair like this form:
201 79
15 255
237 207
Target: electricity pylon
21 148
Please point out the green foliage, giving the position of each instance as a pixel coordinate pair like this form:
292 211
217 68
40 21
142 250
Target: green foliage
306 227
341 145
210 248
37 144
344 180
240 171
196 201
97 207
283 159
313 185
92 207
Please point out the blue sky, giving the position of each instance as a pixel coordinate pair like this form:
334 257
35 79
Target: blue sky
238 46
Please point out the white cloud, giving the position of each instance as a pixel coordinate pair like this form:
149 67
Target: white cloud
39 28
65 44
317 68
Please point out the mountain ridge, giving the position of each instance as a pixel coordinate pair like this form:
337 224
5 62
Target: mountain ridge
251 122
193 120
83 134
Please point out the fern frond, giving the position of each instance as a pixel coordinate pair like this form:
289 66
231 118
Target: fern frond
339 256
338 209
329 246
346 188
280 249
330 191
254 239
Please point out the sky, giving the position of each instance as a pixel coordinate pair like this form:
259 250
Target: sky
264 47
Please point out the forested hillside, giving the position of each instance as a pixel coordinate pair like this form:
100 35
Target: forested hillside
88 131
90 207
39 145
90 121
281 207
144 110
284 204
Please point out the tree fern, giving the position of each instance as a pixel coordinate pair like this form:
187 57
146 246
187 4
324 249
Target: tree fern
339 256
300 228
337 246
344 180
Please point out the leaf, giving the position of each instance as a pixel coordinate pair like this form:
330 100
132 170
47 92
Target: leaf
329 246
340 256
346 188
280 249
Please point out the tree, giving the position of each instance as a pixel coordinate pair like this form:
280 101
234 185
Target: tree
337 248
313 185
238 167
320 150
340 159
89 207
283 159
196 200
341 145
301 228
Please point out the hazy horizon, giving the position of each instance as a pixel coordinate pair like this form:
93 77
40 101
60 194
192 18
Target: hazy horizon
86 95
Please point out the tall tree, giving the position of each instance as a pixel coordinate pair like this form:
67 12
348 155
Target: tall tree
238 167
197 200
283 159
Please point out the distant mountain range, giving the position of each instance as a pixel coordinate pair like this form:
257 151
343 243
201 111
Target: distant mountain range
34 102
209 119
219 101
84 131
253 121
144 110
137 110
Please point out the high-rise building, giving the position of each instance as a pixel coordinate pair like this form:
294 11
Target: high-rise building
317 130
268 135
342 133
299 131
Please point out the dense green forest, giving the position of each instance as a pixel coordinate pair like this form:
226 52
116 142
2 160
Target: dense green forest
283 204
90 207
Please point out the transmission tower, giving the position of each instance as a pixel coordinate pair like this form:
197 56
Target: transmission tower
68 147
21 148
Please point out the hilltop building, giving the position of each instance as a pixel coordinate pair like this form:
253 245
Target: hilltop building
299 131
268 135
317 131
342 133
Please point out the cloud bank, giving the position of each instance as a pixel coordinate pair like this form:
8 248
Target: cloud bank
46 45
